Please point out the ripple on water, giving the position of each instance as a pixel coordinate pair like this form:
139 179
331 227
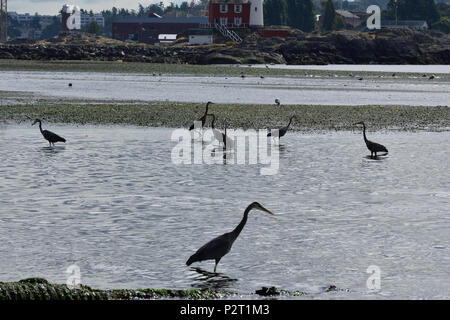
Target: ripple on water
115 205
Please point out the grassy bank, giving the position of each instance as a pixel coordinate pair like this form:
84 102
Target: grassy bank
186 69
176 115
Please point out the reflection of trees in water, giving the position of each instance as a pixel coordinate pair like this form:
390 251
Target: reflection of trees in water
213 280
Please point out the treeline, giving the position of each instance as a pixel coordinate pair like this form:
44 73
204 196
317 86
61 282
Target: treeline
301 14
437 16
298 14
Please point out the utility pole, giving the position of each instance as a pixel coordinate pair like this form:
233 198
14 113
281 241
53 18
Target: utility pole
3 21
396 6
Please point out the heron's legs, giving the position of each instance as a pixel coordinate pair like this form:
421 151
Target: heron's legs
215 266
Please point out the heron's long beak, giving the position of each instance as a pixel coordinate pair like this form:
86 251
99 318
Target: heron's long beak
34 123
265 210
357 123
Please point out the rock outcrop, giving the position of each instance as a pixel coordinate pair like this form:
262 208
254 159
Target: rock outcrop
400 46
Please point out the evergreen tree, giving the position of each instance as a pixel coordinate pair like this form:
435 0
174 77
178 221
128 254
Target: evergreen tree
329 16
275 12
300 14
412 10
52 29
94 28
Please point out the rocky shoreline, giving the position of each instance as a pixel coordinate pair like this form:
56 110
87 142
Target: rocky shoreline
41 289
402 46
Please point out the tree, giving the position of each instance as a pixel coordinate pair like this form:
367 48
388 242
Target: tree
329 16
300 14
52 29
94 28
412 10
275 12
35 22
339 23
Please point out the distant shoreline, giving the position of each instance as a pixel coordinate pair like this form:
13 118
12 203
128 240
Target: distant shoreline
188 69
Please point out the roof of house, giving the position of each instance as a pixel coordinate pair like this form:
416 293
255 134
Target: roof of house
403 23
347 14
164 20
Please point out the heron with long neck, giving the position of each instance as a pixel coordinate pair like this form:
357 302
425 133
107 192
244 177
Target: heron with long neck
220 246
282 131
48 135
219 136
203 118
372 146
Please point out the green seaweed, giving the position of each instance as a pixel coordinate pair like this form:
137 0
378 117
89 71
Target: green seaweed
314 119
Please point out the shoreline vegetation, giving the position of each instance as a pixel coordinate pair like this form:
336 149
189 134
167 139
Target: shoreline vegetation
311 119
41 289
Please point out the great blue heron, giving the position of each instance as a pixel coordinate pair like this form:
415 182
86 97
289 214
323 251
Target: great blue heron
220 246
227 142
48 135
282 131
277 102
203 118
372 146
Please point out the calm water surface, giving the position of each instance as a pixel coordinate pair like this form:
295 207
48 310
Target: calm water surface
112 202
312 90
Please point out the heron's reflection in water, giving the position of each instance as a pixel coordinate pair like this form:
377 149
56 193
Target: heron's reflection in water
214 280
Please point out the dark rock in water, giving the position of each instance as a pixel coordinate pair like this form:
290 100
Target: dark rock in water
264 291
331 288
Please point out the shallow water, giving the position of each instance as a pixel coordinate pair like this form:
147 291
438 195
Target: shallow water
312 90
111 201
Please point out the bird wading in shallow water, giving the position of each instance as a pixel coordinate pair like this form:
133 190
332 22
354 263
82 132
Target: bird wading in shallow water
277 102
372 146
282 131
220 246
227 142
48 135
203 118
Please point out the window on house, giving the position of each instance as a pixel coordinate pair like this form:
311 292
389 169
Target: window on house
238 8
223 8
237 21
224 21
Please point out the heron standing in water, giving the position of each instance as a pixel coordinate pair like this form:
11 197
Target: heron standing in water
372 146
203 118
48 135
220 246
227 142
282 131
277 102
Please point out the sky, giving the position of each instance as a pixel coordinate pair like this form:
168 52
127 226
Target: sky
52 7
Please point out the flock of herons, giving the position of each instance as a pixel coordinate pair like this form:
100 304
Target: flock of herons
220 246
